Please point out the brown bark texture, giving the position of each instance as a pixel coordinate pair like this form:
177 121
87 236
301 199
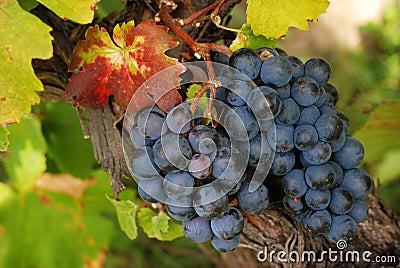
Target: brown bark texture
274 228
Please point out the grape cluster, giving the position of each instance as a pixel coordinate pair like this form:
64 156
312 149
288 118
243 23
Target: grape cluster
277 117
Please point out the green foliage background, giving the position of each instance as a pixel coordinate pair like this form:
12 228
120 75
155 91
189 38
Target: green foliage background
42 227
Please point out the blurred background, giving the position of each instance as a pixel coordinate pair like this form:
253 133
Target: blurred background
63 219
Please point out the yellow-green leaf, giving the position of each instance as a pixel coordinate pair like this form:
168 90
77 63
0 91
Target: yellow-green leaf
272 18
246 38
4 142
126 214
81 11
23 37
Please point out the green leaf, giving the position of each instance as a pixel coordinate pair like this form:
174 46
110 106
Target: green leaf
381 131
6 195
81 11
64 148
23 37
272 18
246 38
126 213
389 170
26 159
4 141
28 5
159 225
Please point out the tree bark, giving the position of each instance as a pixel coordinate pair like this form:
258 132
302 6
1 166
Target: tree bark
273 228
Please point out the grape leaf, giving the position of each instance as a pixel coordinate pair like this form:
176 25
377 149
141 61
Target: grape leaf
81 11
159 225
246 38
382 125
272 18
120 68
4 142
17 79
126 214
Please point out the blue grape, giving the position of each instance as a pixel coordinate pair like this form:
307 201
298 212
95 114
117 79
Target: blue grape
305 137
266 53
318 69
327 108
343 227
223 138
150 190
200 166
247 61
252 202
178 185
338 174
143 166
350 155
181 213
228 225
317 199
337 145
282 138
290 112
276 71
303 162
138 139
319 154
297 67
316 222
320 177
359 212
197 229
358 182
268 108
221 161
308 115
213 209
345 120
281 52
219 57
294 184
283 163
150 121
321 99
241 124
259 149
225 245
342 200
179 119
331 94
305 91
283 91
203 139
238 92
329 127
294 205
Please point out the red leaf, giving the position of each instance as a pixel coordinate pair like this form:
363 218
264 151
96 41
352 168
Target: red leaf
120 68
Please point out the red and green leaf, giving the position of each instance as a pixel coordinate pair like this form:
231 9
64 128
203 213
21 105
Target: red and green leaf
120 66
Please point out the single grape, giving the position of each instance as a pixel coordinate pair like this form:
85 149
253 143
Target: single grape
281 52
327 108
338 174
290 112
219 57
241 124
320 177
138 139
181 213
319 154
283 163
305 137
316 222
266 53
318 69
225 245
143 167
238 92
223 138
283 91
179 119
345 120
331 92
359 212
329 127
150 121
358 182
294 205
321 99
350 155
297 67
200 166
276 71
247 61
343 227
197 229
228 225
150 190
317 199
342 200
308 115
213 209
259 149
205 136
337 145
267 107
305 91
294 184
178 185
282 138
252 202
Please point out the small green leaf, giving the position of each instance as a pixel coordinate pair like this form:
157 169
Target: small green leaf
28 5
26 159
81 11
126 213
23 37
246 38
272 18
383 125
4 141
159 225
